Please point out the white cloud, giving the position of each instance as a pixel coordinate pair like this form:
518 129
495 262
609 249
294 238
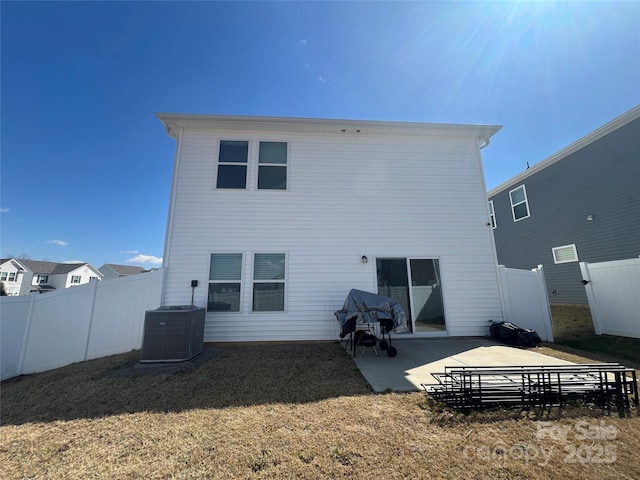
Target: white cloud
61 243
4 210
302 43
145 259
132 252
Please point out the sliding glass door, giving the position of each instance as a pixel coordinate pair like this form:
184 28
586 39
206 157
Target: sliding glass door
415 284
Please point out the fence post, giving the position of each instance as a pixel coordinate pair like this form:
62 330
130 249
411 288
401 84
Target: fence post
543 297
504 294
591 297
27 333
94 290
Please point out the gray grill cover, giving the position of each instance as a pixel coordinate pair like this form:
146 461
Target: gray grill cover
367 307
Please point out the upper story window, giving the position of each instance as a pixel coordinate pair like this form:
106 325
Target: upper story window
232 164
272 166
225 277
519 204
8 277
42 279
75 279
492 215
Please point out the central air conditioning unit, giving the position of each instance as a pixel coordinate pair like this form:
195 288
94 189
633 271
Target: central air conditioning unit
172 334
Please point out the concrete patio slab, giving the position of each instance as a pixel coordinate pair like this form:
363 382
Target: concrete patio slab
418 358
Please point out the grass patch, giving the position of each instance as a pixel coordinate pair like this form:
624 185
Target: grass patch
571 321
574 334
276 411
607 346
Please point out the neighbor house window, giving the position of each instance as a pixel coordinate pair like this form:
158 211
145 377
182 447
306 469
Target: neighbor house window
519 204
268 282
8 276
565 254
42 279
272 166
232 164
492 214
225 276
75 279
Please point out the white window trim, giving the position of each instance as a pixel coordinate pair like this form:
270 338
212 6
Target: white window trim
253 163
525 201
562 247
241 281
285 282
246 164
79 277
282 165
492 215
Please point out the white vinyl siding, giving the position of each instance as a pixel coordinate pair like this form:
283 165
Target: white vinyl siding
348 195
565 254
519 203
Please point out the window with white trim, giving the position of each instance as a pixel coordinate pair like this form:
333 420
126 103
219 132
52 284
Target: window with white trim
232 164
225 279
492 214
519 204
3 276
272 166
41 279
75 279
565 254
269 282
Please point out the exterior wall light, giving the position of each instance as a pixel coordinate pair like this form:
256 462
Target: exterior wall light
364 259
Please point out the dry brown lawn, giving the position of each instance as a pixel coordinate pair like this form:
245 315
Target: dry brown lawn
283 411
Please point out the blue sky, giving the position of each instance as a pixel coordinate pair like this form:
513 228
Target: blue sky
86 167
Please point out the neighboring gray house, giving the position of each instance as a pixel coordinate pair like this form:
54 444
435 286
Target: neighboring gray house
111 270
581 204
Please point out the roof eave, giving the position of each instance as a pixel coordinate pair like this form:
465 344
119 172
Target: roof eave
597 134
173 122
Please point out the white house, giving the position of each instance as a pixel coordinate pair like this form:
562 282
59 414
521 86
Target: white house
11 276
276 219
111 270
21 277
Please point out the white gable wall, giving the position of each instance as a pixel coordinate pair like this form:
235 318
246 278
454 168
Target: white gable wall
10 268
349 195
85 272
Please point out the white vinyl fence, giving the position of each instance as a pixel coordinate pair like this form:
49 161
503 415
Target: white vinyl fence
40 332
613 291
525 300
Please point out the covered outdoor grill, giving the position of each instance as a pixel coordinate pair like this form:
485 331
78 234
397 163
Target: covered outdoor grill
366 309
